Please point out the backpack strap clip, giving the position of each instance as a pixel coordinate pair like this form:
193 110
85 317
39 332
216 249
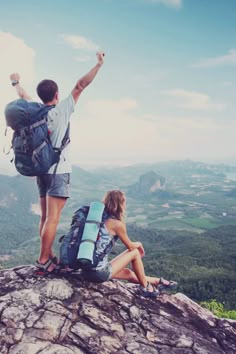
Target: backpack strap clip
22 132
36 151
37 124
98 223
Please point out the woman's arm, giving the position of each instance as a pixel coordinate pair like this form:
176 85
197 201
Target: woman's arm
121 232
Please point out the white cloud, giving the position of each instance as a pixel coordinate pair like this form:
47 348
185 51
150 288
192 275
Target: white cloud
79 42
196 138
194 100
112 132
16 56
170 3
227 59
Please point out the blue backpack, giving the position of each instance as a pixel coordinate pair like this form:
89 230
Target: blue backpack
33 150
78 245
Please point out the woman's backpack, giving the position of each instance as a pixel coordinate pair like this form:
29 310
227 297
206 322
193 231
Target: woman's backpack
33 150
78 246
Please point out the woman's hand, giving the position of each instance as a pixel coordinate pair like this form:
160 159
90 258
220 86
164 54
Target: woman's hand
139 246
120 230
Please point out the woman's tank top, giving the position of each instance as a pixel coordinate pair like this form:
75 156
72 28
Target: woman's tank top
104 244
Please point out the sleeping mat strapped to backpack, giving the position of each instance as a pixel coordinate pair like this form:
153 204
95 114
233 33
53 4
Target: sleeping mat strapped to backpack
78 248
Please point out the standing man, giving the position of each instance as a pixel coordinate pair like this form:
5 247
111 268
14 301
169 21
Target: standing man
54 189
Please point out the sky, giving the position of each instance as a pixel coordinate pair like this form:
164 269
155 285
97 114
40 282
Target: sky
166 90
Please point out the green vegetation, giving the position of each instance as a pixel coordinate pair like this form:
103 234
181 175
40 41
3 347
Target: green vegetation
201 223
203 264
218 309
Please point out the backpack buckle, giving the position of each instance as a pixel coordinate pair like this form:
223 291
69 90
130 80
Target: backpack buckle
24 147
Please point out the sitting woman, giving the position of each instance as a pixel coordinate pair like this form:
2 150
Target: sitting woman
112 229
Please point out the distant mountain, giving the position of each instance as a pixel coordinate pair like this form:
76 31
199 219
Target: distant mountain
18 195
173 169
17 189
149 184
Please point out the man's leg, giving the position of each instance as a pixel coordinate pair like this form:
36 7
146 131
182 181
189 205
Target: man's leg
43 207
54 206
42 187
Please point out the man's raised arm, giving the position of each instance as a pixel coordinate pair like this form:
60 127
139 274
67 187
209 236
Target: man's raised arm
88 78
15 80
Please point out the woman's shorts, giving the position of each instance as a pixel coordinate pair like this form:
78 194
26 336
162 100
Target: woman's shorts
98 275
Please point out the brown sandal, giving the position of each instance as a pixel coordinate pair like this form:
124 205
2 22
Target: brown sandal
42 268
147 292
162 286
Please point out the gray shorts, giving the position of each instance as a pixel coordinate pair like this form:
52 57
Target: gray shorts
57 185
98 275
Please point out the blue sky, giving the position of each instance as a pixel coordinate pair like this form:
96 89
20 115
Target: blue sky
167 88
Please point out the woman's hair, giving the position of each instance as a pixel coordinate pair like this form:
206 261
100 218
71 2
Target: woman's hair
115 203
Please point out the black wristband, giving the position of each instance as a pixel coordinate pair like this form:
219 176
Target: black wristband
14 82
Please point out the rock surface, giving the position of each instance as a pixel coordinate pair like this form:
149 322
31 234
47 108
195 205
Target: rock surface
67 315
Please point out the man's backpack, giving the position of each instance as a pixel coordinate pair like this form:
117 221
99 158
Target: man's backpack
33 150
78 246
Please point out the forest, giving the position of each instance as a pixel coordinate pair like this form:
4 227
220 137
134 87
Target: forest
203 264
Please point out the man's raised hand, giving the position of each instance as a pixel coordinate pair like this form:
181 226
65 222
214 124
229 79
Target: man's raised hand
15 77
100 56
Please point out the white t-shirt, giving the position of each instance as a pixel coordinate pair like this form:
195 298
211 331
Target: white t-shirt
58 120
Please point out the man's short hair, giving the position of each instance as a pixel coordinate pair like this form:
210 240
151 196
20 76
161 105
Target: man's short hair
46 90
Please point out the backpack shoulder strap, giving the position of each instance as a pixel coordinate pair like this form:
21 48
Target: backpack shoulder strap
64 143
66 139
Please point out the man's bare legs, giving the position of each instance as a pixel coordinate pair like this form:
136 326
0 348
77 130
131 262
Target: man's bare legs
134 276
51 208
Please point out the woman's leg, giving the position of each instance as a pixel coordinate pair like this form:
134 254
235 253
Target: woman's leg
119 263
129 275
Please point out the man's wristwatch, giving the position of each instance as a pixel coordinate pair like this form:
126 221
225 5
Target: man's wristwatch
14 82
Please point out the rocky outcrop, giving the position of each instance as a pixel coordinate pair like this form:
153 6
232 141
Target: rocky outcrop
67 315
149 184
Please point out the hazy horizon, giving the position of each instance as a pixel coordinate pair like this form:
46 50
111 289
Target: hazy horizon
9 168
